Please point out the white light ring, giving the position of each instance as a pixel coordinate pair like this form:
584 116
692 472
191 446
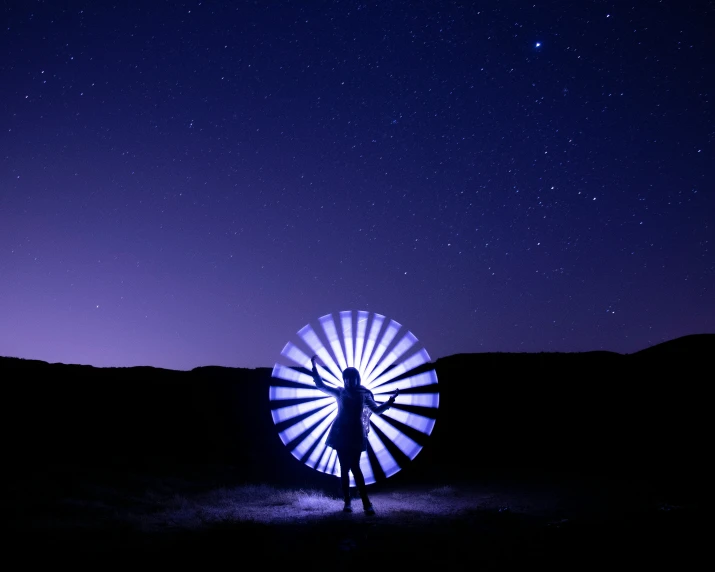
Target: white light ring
385 354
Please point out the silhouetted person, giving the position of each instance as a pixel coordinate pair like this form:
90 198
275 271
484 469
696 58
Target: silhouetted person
348 435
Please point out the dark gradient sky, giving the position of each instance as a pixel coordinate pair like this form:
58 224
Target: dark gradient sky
189 183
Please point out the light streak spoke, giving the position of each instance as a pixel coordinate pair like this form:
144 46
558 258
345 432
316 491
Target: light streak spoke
384 458
331 333
417 399
419 380
334 465
289 374
293 352
319 450
418 359
346 322
278 393
302 448
375 326
328 377
299 428
383 343
291 411
360 337
403 442
399 350
308 335
324 459
366 467
420 422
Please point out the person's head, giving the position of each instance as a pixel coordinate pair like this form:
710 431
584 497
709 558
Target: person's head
351 377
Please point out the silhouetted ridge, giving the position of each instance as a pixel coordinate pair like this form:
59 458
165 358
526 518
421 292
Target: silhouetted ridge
695 344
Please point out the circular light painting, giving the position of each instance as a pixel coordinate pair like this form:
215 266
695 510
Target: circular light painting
388 357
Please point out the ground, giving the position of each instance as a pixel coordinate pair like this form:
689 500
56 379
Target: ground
493 524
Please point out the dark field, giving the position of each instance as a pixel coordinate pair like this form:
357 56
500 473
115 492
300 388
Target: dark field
562 524
556 460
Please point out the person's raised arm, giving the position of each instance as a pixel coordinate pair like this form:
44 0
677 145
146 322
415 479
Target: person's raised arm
375 408
319 383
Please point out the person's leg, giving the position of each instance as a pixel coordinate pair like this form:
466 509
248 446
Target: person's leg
344 460
360 481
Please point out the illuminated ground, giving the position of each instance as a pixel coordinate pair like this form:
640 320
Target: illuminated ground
486 524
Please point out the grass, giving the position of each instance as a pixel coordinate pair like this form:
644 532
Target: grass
418 524
157 504
158 510
162 506
247 503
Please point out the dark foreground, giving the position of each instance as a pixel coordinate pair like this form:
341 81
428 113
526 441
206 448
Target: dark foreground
116 464
493 523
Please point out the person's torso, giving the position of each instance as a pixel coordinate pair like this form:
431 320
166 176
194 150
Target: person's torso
350 406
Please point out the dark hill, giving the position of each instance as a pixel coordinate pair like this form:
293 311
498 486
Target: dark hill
694 345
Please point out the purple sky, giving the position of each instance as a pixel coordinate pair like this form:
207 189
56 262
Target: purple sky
186 184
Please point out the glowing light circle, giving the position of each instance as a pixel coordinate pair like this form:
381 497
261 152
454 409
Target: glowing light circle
388 357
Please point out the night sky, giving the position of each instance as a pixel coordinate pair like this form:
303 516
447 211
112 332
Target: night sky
190 183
